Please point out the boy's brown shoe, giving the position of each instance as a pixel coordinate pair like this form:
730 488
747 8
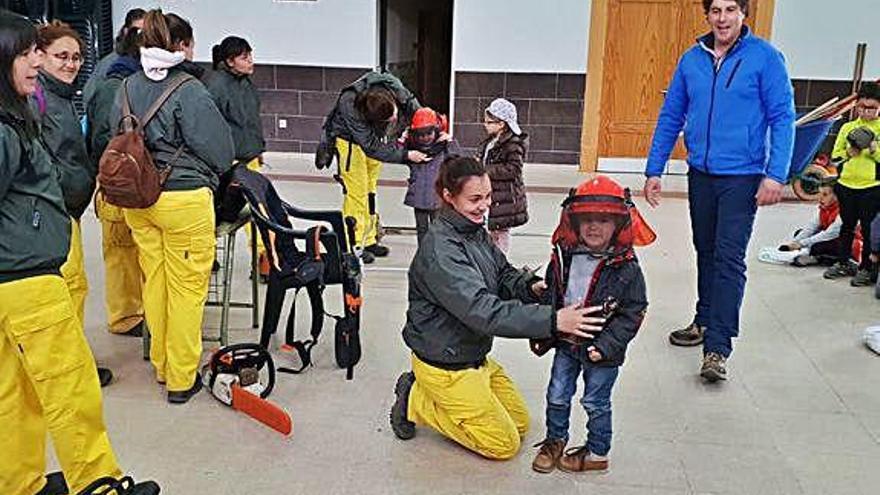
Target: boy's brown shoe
548 456
578 460
688 336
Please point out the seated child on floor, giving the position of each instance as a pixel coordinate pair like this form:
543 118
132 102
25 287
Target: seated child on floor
817 242
593 264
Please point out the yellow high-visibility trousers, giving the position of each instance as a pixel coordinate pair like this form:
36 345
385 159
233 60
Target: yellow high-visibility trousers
74 272
48 383
175 241
480 408
123 278
256 166
360 176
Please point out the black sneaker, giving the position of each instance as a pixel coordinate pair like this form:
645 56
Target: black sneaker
122 486
183 396
105 376
688 336
400 424
864 278
55 485
841 269
367 257
714 367
135 331
378 250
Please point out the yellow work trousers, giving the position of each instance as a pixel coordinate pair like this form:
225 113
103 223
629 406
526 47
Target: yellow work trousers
74 272
48 383
480 408
256 166
360 176
175 243
123 279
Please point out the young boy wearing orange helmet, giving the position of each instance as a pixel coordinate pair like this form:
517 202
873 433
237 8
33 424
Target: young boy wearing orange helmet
593 263
427 133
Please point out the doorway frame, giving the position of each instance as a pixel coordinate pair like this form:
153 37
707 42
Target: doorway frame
381 47
598 38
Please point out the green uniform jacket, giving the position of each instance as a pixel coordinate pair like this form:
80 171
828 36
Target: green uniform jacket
239 102
98 114
62 133
189 118
34 226
98 75
463 292
349 124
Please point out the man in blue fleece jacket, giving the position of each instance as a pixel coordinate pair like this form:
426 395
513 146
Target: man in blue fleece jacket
732 96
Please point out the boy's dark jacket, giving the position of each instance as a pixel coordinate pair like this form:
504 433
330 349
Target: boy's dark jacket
619 277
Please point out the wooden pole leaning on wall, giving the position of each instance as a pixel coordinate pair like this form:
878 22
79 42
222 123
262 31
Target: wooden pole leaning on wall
591 120
858 72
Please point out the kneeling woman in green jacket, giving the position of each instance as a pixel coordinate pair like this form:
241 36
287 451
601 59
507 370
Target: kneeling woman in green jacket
462 294
47 373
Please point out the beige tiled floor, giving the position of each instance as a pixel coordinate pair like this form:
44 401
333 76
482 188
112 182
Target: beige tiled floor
801 413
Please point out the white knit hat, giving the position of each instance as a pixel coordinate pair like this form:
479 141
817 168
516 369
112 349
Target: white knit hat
505 111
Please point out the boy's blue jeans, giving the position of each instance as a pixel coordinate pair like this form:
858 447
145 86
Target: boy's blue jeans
598 382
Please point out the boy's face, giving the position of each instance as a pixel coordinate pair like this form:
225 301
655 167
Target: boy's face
425 138
868 108
596 229
827 196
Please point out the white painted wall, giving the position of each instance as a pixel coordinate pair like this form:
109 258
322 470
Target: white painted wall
337 33
819 37
521 35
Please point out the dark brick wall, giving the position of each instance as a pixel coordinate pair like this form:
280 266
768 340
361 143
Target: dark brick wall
550 108
302 96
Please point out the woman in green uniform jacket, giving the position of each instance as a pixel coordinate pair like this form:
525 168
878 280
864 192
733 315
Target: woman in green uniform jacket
47 372
175 236
61 49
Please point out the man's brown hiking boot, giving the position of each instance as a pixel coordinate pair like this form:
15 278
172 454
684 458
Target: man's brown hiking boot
579 459
688 336
714 367
548 456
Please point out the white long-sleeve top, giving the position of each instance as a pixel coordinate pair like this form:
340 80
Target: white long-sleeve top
812 232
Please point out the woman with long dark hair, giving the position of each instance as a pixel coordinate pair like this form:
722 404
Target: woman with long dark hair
47 373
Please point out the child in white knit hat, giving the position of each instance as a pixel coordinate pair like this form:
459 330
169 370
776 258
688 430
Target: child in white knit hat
503 153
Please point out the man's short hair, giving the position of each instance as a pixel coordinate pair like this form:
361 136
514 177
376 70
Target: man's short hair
743 5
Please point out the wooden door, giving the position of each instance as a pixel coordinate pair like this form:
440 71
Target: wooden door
645 39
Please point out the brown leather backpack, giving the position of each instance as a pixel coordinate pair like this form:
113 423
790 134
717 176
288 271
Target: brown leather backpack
127 176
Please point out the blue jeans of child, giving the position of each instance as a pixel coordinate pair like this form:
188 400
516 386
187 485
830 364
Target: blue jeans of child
598 382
